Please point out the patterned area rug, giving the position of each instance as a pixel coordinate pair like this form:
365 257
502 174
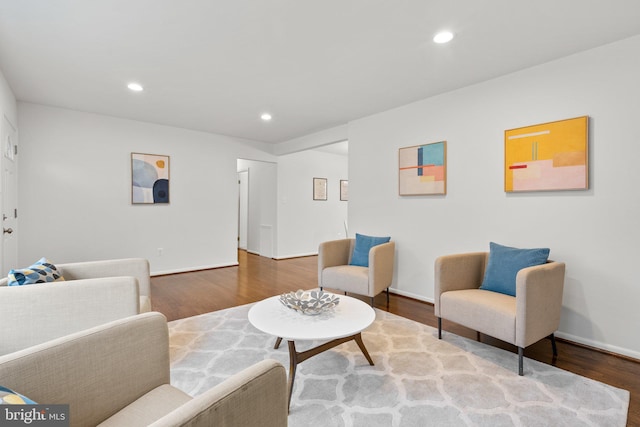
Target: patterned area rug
417 379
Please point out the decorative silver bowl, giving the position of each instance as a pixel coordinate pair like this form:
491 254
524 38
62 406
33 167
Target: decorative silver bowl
309 302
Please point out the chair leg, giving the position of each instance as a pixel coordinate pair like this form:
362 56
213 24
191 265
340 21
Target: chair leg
372 298
478 336
320 287
553 345
520 360
439 328
387 297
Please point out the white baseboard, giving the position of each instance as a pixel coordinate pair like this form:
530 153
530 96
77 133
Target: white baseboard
598 345
410 295
296 255
189 269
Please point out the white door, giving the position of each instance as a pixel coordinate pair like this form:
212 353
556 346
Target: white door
243 208
9 197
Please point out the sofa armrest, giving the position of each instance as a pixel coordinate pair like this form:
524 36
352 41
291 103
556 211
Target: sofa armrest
255 397
136 267
44 311
381 262
333 253
456 272
96 371
539 292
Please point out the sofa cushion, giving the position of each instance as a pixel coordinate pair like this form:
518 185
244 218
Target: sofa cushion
348 278
148 408
504 264
362 247
42 271
490 313
10 397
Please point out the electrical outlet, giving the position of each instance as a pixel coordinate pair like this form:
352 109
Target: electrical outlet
160 251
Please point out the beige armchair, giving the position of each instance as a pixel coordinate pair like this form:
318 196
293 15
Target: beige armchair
533 314
335 272
117 374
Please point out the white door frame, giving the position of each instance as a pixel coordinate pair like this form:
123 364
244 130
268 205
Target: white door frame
9 196
243 208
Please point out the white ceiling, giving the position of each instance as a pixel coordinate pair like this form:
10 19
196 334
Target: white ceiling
215 65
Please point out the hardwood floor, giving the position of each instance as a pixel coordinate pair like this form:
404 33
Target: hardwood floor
188 294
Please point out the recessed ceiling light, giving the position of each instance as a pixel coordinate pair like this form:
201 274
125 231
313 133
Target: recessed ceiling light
136 87
266 117
443 37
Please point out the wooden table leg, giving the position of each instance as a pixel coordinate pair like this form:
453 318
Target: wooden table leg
278 341
358 339
293 364
296 358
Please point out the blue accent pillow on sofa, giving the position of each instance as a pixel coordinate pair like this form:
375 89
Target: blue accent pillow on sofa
362 247
504 264
42 271
10 397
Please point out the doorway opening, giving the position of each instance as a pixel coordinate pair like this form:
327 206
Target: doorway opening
257 190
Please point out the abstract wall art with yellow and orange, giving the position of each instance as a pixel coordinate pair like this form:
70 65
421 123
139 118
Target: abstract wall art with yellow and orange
548 156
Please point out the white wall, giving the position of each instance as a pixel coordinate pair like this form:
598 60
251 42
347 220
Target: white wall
303 222
75 195
595 232
262 210
8 105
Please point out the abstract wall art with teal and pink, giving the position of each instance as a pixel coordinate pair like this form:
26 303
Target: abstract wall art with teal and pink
423 169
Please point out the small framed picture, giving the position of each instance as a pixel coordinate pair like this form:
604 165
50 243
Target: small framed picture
344 190
319 188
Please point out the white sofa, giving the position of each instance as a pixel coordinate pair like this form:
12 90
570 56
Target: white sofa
117 374
93 293
134 267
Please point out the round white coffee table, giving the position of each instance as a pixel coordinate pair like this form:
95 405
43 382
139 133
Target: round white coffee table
343 323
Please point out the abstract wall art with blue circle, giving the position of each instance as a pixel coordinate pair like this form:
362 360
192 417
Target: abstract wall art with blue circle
149 178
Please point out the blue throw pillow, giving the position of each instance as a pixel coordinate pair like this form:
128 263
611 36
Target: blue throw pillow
363 245
41 272
504 264
10 397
